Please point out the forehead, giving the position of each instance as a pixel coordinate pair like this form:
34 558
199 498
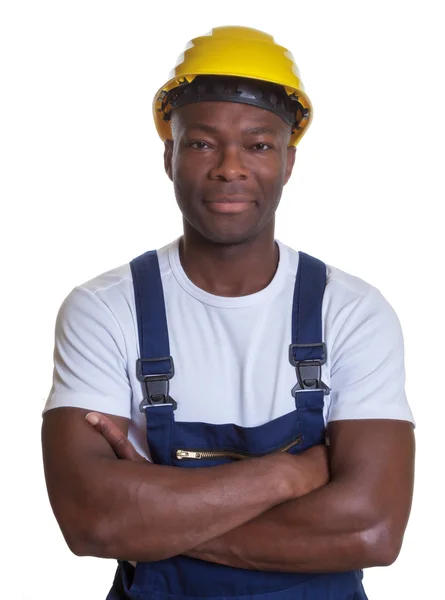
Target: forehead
219 116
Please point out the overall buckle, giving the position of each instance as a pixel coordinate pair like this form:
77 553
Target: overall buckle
157 386
308 371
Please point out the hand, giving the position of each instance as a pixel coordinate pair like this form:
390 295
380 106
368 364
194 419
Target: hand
121 445
314 465
309 470
305 472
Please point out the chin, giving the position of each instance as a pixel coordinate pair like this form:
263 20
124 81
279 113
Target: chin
229 238
232 232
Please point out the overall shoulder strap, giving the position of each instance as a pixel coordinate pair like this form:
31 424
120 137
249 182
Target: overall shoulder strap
155 366
307 351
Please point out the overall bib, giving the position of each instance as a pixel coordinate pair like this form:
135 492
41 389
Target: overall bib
191 445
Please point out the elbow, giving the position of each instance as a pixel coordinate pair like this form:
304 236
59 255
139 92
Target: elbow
88 533
381 545
85 546
380 532
80 530
106 538
83 540
79 547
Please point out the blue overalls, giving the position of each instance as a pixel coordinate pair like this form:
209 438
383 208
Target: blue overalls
191 445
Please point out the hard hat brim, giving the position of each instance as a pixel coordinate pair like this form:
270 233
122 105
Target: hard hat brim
163 126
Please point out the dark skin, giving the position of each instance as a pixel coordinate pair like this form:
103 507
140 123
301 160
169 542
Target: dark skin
279 512
224 150
349 523
114 508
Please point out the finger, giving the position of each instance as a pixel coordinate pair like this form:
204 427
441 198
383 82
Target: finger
122 447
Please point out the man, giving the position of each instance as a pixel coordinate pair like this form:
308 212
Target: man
282 376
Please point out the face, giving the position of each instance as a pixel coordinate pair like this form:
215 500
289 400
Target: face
228 163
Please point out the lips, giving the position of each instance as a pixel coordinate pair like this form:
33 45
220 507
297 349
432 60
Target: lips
229 201
229 204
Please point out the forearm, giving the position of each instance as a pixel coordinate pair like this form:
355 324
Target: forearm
355 521
148 512
326 530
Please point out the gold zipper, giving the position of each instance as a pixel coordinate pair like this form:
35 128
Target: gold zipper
200 454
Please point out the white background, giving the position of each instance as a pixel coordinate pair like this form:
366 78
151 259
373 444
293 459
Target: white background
83 190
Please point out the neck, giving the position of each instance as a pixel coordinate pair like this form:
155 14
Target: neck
229 270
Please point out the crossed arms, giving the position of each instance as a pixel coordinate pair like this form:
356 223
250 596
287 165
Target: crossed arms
305 513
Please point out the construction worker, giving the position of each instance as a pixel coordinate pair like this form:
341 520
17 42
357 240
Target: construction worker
270 444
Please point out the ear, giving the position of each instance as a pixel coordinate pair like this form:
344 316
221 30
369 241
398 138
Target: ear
168 156
291 152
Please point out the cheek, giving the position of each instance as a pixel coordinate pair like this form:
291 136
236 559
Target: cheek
188 180
188 167
270 175
271 162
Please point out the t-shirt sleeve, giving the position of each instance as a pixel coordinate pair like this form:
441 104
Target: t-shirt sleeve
90 364
367 366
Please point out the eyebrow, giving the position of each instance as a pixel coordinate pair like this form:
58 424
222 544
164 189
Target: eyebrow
259 130
249 131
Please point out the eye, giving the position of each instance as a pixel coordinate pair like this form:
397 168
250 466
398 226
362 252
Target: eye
198 145
262 146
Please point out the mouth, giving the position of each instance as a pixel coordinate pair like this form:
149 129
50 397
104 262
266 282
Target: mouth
229 204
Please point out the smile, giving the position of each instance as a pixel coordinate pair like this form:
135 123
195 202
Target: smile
226 205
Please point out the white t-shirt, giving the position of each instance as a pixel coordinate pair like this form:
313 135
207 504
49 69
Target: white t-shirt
230 354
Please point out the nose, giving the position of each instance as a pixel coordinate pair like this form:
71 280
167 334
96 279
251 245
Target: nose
229 165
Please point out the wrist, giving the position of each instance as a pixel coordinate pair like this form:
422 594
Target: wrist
283 475
312 468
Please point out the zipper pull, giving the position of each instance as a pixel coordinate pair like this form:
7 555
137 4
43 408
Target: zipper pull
180 454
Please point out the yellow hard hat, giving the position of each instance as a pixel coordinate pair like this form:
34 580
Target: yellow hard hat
235 52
